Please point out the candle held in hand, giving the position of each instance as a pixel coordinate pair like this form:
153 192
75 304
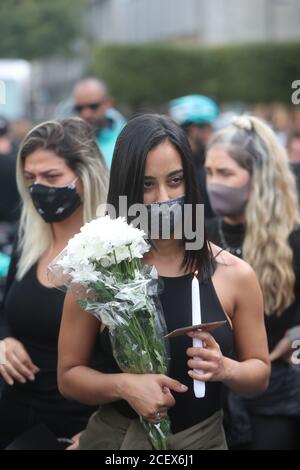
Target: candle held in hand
199 387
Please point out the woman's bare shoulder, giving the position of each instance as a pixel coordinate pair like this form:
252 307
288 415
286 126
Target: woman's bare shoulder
236 283
231 266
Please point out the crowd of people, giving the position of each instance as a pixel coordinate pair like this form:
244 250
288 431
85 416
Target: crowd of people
59 370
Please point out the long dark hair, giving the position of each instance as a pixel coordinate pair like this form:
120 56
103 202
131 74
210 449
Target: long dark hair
141 135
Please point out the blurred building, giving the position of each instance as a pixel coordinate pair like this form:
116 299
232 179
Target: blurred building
209 22
15 78
33 89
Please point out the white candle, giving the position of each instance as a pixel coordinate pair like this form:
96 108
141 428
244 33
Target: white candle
199 387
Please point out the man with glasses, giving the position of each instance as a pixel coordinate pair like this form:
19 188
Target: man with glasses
92 102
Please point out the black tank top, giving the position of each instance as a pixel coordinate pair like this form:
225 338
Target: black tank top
177 307
33 314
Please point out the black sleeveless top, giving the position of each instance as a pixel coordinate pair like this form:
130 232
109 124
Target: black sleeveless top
177 306
32 314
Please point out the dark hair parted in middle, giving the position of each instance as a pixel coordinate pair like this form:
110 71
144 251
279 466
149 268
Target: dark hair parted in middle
141 135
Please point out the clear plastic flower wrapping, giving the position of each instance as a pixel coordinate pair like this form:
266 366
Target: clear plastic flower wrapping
131 310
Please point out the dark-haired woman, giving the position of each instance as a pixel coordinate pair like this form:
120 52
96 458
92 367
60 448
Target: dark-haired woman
62 179
152 163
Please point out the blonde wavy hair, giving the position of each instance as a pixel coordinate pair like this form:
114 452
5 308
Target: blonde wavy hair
72 140
272 212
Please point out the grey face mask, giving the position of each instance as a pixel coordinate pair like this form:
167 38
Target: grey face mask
165 217
227 201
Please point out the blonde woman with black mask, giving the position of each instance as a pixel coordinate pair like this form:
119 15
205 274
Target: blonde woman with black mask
253 191
62 179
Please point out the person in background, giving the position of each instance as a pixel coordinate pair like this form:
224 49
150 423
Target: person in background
62 179
196 115
93 103
20 128
9 198
281 122
293 148
252 190
287 346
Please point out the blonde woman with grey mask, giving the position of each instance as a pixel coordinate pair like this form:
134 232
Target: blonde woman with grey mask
62 179
253 192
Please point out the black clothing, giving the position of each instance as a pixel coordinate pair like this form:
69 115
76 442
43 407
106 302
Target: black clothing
9 196
177 307
199 160
32 315
18 417
274 432
9 208
295 167
229 237
280 403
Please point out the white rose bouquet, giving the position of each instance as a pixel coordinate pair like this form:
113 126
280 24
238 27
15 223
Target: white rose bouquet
102 264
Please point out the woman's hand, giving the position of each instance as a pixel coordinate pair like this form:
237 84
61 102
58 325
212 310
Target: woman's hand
18 365
283 350
209 359
286 346
75 445
150 394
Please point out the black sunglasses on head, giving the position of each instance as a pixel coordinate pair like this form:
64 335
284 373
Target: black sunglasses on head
93 106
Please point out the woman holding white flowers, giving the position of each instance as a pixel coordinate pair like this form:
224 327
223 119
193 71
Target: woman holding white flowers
153 164
62 179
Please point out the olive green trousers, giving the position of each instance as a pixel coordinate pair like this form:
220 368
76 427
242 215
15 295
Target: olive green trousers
107 429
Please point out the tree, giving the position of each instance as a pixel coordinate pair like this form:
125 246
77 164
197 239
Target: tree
151 74
32 29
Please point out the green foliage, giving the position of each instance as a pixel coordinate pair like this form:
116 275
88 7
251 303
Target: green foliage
154 74
32 29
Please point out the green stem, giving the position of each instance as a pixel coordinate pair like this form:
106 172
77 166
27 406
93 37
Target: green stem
141 339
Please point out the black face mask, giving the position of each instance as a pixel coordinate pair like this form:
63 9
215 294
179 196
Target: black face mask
170 219
55 204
